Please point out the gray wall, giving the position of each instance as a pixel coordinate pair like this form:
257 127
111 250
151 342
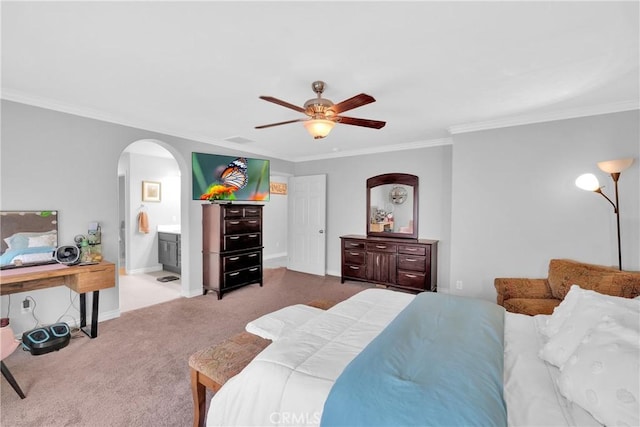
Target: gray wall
53 160
515 204
275 222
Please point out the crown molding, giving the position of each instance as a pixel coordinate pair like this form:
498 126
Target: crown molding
376 150
527 119
16 96
90 113
50 104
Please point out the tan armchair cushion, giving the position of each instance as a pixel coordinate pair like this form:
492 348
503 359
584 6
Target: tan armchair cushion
541 296
531 306
511 287
605 280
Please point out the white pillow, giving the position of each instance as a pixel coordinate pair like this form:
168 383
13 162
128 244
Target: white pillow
603 375
562 312
21 240
590 308
43 240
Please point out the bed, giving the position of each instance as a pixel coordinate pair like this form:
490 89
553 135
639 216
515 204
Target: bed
389 358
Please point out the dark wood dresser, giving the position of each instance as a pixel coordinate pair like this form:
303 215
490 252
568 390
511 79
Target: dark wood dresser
231 246
409 264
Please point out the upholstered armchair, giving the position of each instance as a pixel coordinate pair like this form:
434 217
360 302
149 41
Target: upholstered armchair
541 296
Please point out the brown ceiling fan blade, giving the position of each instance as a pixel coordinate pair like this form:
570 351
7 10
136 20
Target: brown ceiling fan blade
353 102
368 123
281 123
283 103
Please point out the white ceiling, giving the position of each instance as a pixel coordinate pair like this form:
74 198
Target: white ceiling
196 69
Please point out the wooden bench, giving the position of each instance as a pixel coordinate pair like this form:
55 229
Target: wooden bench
213 366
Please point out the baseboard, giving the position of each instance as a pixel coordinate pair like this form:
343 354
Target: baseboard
145 270
192 293
272 256
108 315
75 322
333 273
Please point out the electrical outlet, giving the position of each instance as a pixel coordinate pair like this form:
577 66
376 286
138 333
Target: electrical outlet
459 284
26 306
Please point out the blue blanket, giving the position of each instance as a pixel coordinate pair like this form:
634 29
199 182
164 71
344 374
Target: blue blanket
10 254
438 363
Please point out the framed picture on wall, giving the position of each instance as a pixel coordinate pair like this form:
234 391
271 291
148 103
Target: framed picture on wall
278 188
150 191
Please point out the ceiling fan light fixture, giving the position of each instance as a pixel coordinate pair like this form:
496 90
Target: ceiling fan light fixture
323 114
319 128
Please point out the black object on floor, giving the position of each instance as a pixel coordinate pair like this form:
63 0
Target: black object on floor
167 278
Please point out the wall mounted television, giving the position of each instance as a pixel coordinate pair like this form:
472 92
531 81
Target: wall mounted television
225 179
28 238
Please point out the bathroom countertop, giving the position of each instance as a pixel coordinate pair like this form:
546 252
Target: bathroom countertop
174 229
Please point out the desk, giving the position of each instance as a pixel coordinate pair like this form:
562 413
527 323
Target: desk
78 278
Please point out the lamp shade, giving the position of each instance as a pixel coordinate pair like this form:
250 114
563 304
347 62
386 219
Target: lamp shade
588 182
319 128
615 166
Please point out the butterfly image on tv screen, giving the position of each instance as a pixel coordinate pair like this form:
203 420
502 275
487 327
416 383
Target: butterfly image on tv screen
235 174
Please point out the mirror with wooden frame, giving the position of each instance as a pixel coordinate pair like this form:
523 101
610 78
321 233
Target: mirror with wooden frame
392 205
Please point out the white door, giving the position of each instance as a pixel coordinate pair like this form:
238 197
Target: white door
306 246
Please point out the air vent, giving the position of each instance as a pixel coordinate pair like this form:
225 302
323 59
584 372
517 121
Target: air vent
239 139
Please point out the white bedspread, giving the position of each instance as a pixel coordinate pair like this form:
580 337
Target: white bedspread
530 390
289 381
274 325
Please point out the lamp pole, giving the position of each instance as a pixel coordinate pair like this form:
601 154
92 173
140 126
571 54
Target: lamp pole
615 176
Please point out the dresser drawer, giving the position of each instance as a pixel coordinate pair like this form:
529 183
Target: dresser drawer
242 277
353 244
354 257
251 212
412 250
381 247
355 271
232 211
238 262
410 262
242 241
169 237
411 279
238 226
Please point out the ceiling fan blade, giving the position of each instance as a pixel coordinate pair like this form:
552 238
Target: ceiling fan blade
281 123
283 103
368 123
353 102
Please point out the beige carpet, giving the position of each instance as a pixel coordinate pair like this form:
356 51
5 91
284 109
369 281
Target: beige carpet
135 373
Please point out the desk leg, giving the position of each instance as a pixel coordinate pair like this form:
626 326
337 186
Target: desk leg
83 310
94 314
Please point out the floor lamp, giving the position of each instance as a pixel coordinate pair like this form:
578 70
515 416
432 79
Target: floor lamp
589 182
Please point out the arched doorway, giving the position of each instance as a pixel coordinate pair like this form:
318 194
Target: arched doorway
149 182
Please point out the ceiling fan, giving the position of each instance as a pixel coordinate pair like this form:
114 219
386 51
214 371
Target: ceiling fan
322 114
